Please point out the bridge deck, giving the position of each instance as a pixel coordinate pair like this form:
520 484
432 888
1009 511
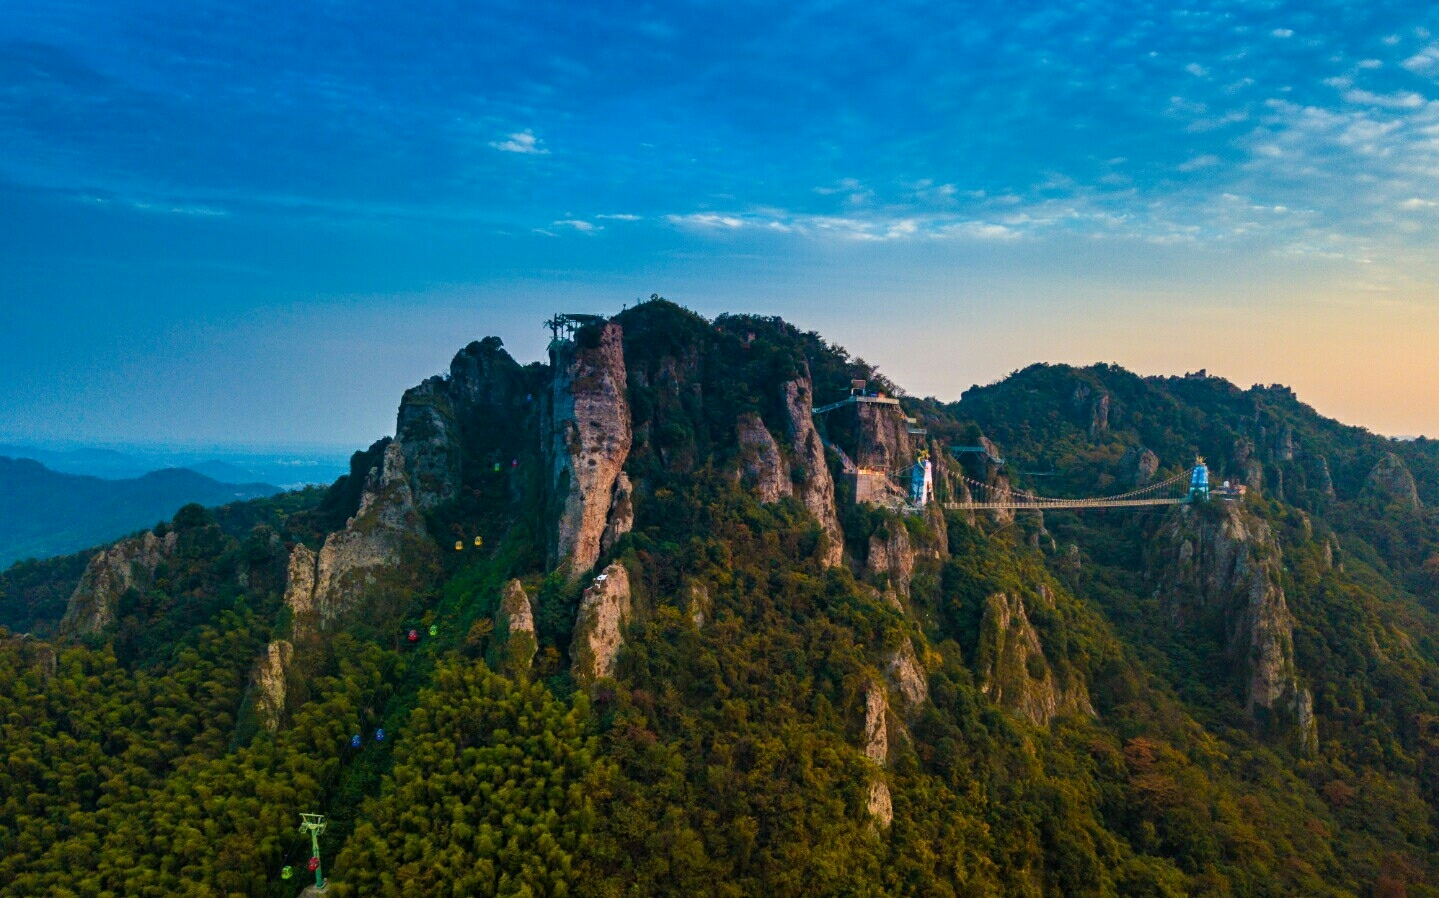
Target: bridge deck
1063 503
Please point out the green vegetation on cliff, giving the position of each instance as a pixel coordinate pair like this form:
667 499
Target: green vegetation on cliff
1233 700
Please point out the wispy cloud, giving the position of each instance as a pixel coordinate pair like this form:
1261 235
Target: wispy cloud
1425 62
521 142
706 220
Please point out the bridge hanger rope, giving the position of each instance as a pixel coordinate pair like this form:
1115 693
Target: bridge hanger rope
1019 498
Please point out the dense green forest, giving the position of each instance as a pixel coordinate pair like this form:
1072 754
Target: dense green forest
1233 698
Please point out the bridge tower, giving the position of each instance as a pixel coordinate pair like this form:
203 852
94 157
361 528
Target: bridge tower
921 481
1199 482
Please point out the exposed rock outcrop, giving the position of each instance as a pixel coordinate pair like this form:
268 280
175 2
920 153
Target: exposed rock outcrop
1013 670
1138 466
876 748
1225 559
385 531
1390 479
939 548
514 634
588 438
605 610
485 392
114 571
1284 444
622 512
761 464
427 431
906 678
698 603
1323 481
891 555
1099 418
1001 491
300 581
816 487
270 684
883 439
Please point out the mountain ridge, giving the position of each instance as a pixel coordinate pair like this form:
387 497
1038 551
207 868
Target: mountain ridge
50 513
634 621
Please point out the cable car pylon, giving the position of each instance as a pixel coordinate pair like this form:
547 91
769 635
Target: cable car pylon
314 824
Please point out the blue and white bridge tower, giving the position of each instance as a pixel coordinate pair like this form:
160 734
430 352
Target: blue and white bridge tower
1199 482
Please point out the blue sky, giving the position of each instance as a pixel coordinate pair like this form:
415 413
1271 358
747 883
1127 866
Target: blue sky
259 222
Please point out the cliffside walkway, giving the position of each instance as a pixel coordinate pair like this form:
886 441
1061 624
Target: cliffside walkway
997 497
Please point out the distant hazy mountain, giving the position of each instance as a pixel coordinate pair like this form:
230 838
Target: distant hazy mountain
223 471
289 467
45 513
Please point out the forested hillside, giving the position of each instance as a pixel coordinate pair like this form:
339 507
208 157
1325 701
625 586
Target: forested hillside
619 624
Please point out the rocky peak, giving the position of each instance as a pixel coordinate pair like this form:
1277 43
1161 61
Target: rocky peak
761 464
588 439
1013 669
605 610
484 374
128 564
514 633
816 487
483 392
427 431
1390 479
386 531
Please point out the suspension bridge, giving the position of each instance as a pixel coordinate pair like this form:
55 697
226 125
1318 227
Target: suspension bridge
1181 489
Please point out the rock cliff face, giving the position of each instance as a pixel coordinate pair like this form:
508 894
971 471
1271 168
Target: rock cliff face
1323 481
622 512
300 582
605 610
1390 479
514 634
816 487
588 437
892 556
883 441
761 465
385 530
427 431
907 680
1099 420
1013 670
270 685
876 748
128 564
485 395
1225 562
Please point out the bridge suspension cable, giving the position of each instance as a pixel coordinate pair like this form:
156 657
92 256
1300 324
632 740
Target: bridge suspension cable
1011 498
